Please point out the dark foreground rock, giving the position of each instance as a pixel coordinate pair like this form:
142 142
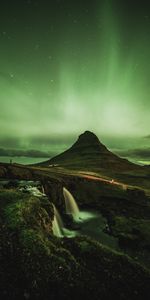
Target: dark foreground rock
36 265
127 210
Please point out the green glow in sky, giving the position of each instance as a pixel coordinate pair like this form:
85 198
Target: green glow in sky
69 67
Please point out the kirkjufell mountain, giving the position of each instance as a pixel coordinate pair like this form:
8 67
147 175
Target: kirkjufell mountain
89 153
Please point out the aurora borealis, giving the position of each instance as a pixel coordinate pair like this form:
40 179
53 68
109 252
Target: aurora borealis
68 66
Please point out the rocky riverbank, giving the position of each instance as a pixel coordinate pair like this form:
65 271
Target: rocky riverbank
37 265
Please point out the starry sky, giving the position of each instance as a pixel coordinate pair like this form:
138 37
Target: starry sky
68 66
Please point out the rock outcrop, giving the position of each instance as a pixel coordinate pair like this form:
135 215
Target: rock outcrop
37 265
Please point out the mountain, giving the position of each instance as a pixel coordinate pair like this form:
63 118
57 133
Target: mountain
89 153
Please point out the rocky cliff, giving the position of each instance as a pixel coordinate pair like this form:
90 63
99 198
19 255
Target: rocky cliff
37 265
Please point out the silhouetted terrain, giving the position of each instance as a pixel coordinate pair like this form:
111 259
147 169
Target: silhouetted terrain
35 264
89 153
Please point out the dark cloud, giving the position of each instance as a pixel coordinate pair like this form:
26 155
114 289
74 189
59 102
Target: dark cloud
10 142
26 153
37 141
52 140
141 153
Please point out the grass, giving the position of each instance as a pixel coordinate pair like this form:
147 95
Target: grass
133 228
38 265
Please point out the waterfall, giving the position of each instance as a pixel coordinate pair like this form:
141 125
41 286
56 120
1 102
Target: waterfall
43 192
58 217
71 205
56 228
57 223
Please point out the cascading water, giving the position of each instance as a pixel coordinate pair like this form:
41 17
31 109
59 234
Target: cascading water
43 191
73 209
56 229
71 205
57 223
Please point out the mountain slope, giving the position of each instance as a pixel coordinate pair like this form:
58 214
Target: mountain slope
88 152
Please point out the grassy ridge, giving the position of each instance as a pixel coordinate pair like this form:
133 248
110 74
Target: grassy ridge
37 265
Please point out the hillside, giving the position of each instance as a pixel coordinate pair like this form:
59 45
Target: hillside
89 153
37 265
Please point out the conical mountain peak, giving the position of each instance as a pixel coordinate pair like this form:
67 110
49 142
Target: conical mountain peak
89 153
88 136
88 139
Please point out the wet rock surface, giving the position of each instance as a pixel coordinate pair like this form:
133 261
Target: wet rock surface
37 265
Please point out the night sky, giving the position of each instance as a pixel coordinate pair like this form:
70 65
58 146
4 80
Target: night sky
67 66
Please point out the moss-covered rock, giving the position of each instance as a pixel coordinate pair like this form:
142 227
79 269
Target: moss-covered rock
132 232
36 265
108 273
